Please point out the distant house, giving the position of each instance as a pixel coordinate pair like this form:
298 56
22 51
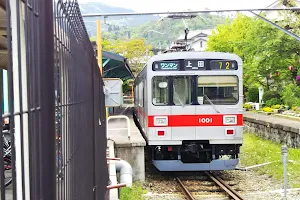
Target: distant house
196 40
275 15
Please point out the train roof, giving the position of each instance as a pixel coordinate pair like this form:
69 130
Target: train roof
194 54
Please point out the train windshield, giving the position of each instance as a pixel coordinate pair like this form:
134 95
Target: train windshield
221 90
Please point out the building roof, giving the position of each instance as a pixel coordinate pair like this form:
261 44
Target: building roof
115 65
195 33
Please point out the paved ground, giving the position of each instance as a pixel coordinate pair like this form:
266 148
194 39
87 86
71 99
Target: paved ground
117 130
273 119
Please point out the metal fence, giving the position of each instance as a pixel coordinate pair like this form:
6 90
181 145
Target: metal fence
56 104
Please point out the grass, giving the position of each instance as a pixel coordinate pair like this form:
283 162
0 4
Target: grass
134 193
256 150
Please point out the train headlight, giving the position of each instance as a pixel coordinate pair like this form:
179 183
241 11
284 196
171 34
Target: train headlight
160 121
229 119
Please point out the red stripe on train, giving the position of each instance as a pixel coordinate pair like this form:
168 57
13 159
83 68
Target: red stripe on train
197 120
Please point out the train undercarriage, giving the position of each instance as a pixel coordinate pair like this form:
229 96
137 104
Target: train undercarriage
195 152
195 156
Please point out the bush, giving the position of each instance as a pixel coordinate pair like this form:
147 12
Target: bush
268 95
252 95
294 108
273 101
267 109
291 95
277 106
247 106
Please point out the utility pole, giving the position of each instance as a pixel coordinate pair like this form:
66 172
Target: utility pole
99 52
99 46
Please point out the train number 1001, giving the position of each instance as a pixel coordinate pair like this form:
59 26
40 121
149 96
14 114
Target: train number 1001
205 120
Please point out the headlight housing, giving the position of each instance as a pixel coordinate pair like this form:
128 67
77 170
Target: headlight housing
161 121
229 119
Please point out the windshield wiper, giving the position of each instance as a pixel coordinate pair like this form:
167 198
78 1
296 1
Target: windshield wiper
178 98
211 103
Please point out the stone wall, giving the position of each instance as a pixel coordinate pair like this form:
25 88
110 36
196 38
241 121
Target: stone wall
282 134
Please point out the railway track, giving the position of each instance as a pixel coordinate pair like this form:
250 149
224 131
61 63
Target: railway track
225 187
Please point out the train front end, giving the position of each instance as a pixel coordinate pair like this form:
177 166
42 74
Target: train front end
194 111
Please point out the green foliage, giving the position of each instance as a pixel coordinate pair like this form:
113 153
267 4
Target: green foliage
256 150
252 94
264 49
134 50
277 106
93 38
268 95
173 28
170 28
134 193
126 87
291 95
273 101
247 106
267 109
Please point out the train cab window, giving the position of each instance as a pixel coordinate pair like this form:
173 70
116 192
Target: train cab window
182 90
160 90
220 90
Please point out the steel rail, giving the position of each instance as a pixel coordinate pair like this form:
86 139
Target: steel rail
188 12
229 190
185 190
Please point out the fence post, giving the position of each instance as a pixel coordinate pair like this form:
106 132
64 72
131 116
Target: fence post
284 151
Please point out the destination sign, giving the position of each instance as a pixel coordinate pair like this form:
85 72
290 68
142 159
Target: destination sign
166 66
194 65
223 65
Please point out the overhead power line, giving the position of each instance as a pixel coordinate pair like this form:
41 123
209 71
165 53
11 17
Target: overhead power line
189 12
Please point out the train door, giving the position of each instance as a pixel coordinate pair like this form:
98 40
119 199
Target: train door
141 104
145 107
159 109
183 112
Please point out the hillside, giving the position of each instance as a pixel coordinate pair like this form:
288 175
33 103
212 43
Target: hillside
170 29
132 27
119 22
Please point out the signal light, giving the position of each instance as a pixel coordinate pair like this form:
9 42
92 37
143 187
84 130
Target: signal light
229 131
160 133
169 148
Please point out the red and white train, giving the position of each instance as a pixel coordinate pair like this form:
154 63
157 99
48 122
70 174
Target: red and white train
188 106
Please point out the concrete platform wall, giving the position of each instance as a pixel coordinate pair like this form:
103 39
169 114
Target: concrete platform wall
135 157
128 149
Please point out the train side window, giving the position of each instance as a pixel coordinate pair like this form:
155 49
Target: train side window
160 90
220 90
182 90
141 88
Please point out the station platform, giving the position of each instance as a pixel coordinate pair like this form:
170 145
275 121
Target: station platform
294 124
129 149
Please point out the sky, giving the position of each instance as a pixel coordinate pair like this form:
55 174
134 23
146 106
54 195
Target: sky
182 5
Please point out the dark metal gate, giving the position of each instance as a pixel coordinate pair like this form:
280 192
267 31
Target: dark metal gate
56 104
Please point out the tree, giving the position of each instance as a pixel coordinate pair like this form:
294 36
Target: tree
134 50
265 50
